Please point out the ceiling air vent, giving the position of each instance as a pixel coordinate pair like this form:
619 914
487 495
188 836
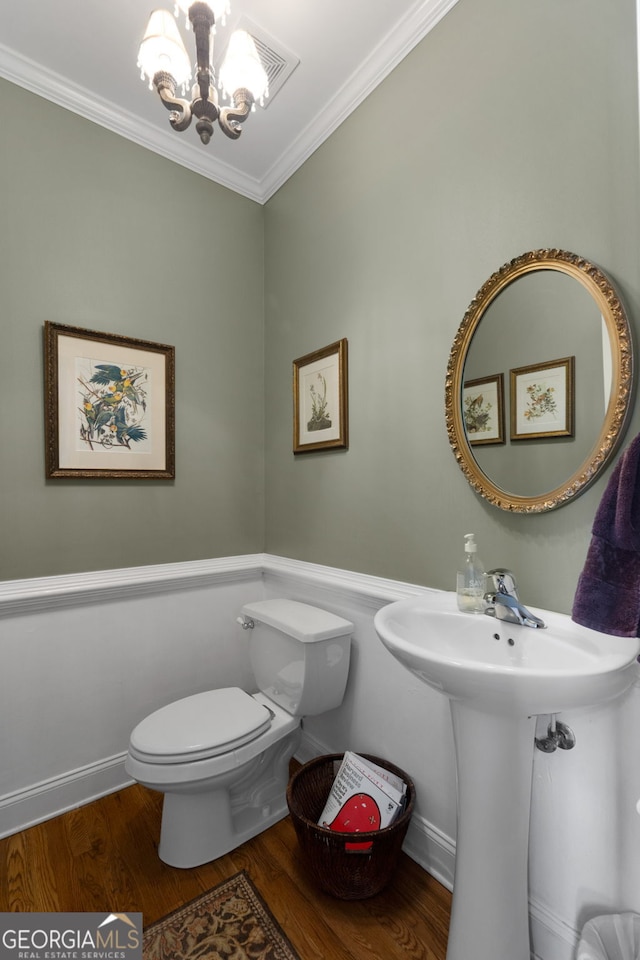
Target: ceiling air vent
277 60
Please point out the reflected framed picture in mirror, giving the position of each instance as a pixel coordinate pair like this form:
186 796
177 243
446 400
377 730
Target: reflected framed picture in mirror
483 409
542 400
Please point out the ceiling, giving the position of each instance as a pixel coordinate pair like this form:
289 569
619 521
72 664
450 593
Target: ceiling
81 54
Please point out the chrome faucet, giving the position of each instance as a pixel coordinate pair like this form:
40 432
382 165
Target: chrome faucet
502 600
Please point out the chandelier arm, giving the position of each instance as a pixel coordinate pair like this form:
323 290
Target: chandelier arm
231 117
180 110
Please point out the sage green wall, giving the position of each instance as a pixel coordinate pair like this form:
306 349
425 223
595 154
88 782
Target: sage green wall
99 233
512 126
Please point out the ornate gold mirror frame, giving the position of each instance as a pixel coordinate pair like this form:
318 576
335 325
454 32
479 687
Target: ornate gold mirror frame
612 431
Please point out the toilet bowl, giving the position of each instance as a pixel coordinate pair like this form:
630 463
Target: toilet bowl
221 757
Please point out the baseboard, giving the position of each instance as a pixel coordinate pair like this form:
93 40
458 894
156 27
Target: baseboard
42 801
552 937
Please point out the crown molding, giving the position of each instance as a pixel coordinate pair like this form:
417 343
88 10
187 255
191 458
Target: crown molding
57 89
401 39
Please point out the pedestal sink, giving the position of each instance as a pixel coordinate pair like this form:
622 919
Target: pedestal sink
498 676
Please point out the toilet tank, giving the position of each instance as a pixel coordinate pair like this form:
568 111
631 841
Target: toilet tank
299 654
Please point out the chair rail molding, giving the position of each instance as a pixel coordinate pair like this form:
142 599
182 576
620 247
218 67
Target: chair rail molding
41 593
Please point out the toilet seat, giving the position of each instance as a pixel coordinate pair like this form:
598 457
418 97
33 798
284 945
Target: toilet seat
201 726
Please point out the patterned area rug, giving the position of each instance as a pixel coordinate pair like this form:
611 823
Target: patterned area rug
230 922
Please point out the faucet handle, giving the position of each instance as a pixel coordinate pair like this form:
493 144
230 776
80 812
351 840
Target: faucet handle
503 581
503 602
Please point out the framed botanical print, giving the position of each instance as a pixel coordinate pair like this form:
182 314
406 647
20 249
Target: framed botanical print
320 416
483 409
542 400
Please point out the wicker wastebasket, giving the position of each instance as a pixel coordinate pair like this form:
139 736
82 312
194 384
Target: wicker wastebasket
344 872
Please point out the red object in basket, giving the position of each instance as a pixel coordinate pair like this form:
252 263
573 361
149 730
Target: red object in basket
359 814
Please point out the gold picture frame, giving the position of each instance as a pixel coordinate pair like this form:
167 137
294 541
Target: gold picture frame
542 400
109 405
320 400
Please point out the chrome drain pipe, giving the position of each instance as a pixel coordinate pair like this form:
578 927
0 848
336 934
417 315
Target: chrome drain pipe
559 736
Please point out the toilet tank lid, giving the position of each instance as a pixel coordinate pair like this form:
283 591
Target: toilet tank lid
300 620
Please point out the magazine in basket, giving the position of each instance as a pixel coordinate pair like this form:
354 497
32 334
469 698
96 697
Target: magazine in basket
363 797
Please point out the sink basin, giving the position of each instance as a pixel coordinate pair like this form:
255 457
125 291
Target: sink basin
503 667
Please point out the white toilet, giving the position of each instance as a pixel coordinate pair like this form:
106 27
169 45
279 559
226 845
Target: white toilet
221 758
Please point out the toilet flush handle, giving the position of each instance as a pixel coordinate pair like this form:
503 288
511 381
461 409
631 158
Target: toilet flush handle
246 623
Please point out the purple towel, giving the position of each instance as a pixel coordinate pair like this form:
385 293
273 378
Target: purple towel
608 593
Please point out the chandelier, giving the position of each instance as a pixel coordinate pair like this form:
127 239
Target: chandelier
164 61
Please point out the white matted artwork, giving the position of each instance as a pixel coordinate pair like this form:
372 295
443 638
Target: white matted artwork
542 400
320 399
109 405
483 409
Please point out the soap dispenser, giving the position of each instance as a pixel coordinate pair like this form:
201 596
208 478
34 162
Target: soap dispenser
471 579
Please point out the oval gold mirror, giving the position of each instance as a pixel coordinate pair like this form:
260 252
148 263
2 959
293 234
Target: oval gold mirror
539 382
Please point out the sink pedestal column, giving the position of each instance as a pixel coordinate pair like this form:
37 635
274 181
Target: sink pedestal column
494 762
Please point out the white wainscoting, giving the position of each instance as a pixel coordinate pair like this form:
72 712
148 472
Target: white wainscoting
86 657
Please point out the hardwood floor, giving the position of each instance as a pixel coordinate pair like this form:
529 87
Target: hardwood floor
103 857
